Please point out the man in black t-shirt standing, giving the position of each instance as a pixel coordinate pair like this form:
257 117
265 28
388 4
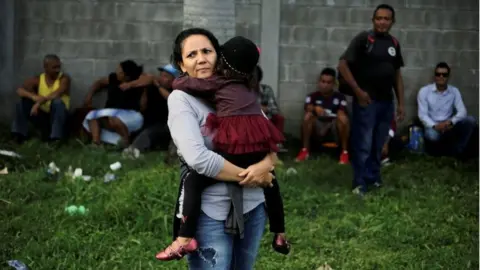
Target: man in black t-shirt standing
371 68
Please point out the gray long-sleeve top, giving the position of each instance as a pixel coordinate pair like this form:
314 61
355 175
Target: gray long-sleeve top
186 117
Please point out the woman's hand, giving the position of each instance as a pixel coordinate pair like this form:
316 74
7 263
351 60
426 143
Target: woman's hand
258 174
262 180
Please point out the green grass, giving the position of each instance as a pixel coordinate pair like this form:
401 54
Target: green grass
426 217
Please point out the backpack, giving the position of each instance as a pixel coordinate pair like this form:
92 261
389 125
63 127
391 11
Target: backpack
343 86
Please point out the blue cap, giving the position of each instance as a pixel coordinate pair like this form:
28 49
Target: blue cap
170 69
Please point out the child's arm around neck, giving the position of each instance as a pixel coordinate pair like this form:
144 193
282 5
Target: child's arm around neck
200 87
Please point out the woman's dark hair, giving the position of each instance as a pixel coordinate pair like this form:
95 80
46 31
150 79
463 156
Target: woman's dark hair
387 7
176 57
249 79
131 69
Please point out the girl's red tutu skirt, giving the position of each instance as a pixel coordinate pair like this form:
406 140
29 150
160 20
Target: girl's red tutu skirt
243 134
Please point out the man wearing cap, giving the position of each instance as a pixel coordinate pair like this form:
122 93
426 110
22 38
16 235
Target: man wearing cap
155 110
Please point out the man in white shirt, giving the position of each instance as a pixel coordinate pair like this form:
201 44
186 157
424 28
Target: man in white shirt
443 114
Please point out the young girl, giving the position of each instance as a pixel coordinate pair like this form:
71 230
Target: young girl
242 134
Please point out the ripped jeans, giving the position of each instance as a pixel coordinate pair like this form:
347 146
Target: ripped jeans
221 251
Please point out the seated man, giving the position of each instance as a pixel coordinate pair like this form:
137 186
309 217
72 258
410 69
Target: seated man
44 101
269 104
155 131
325 112
443 114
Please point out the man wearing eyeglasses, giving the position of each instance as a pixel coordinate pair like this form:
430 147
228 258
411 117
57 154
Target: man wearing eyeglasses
443 114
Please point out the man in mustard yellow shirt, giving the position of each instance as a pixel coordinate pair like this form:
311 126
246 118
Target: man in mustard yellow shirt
45 100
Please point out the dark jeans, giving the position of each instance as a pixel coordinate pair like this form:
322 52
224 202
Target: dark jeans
370 127
152 136
195 183
51 125
454 141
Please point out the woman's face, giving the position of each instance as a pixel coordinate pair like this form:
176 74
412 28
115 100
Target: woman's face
120 73
198 56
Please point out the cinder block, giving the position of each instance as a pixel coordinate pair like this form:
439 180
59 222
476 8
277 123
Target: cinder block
104 67
360 16
426 4
161 52
131 50
291 91
343 35
251 31
301 35
432 57
413 58
415 39
328 53
248 2
79 67
295 54
468 59
394 3
104 11
76 31
448 20
415 78
149 11
333 3
249 14
306 73
327 16
462 5
294 15
164 32
460 40
411 18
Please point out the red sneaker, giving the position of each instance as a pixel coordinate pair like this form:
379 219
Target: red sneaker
344 158
303 155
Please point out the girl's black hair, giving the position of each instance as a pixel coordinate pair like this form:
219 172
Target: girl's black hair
131 69
249 79
176 57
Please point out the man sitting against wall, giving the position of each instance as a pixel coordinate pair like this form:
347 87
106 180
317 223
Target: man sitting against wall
443 113
45 101
325 114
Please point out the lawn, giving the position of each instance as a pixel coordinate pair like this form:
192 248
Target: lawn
426 216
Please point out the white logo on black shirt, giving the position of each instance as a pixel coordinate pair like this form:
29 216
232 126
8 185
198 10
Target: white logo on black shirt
392 51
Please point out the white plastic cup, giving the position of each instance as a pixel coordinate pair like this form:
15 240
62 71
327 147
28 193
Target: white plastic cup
115 166
78 172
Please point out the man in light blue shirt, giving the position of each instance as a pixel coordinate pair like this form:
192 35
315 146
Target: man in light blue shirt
443 114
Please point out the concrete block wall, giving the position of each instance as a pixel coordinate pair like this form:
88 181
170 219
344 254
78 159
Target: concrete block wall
92 37
313 34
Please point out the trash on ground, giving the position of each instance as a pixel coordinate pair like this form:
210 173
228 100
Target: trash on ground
131 152
291 171
73 210
77 173
325 267
86 178
9 153
115 166
4 171
109 177
52 171
18 265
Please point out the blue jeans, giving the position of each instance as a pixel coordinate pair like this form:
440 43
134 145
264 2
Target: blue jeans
457 138
221 251
370 127
51 124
